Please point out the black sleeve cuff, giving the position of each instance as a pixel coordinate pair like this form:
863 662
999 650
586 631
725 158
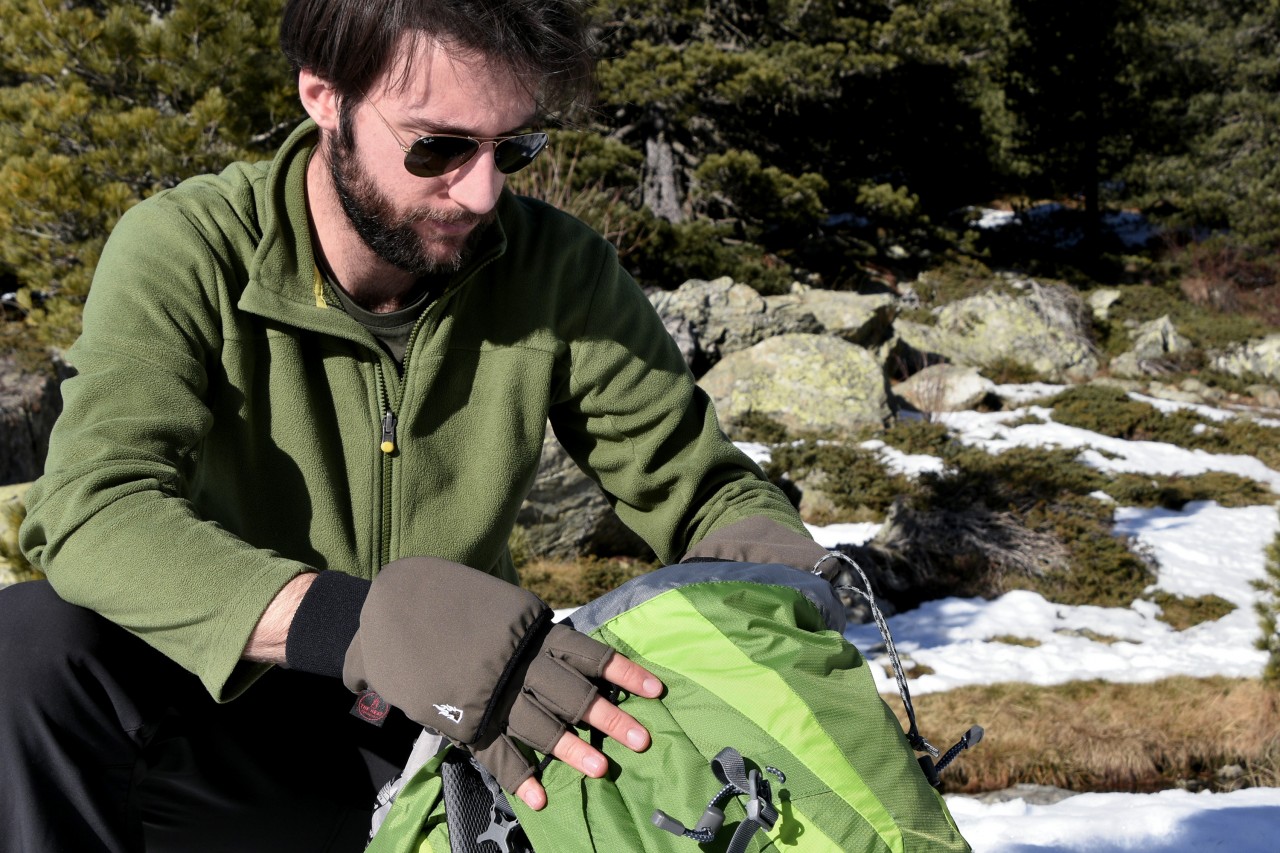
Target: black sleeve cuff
325 622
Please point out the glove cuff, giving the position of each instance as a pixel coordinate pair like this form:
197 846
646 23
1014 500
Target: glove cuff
325 623
758 540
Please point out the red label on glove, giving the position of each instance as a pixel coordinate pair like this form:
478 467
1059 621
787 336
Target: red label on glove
371 707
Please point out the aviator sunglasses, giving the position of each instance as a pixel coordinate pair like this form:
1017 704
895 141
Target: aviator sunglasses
440 153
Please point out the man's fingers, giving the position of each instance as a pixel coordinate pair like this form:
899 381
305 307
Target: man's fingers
532 794
580 755
632 677
606 717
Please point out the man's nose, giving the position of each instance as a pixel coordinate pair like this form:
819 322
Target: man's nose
475 186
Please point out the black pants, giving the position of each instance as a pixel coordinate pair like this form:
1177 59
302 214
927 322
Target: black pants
107 745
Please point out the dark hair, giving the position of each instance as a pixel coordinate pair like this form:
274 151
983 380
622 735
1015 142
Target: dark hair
349 43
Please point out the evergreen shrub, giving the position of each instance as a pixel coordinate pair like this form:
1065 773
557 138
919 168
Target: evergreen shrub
1268 610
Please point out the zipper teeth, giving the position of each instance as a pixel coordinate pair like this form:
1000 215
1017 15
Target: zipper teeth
384 511
413 337
388 443
389 414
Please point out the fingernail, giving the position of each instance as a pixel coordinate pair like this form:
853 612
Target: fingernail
534 800
595 764
636 738
652 686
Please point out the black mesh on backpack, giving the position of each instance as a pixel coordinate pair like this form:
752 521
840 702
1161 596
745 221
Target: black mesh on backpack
479 816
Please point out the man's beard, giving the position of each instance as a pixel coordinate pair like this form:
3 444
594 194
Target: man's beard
388 234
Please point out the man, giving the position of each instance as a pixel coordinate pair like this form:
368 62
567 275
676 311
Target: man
310 400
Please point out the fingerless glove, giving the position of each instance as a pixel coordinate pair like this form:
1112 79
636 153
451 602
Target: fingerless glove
474 657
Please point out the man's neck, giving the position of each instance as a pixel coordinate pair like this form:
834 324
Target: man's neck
371 282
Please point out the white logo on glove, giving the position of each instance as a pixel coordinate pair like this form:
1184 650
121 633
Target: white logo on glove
449 712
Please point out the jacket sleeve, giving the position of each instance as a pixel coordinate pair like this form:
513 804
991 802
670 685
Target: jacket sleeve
109 521
634 419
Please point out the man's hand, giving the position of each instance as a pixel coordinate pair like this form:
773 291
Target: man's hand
605 717
432 615
480 661
498 753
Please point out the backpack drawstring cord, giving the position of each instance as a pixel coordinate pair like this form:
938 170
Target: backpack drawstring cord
917 741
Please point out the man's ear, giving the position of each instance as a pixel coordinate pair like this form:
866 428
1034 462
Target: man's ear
319 98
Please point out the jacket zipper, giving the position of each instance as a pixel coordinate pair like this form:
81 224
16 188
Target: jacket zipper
387 444
387 448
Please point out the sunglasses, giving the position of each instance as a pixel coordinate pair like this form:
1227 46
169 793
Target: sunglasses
441 153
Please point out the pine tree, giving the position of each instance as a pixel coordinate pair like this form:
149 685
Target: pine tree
768 117
1211 84
104 104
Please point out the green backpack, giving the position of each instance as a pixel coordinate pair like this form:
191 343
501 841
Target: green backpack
771 736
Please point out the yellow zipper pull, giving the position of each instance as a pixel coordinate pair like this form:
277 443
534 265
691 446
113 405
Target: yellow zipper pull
388 432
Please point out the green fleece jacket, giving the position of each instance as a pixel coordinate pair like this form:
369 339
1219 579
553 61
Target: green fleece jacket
224 431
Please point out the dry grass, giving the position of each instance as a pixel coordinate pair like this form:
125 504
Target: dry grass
1015 640
569 583
1182 613
1215 733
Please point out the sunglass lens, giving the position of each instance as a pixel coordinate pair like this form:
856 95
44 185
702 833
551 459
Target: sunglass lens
512 155
432 156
